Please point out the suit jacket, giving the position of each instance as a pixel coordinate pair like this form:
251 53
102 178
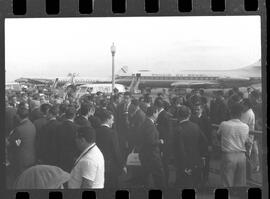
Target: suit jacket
122 124
47 147
11 119
187 145
164 126
218 111
107 142
67 150
82 121
135 123
205 125
150 142
24 155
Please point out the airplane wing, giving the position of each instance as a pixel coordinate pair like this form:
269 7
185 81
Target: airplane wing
34 81
195 84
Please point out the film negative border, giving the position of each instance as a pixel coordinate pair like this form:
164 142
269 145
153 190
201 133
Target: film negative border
91 8
124 8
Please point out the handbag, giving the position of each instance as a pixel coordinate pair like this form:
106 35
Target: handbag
133 159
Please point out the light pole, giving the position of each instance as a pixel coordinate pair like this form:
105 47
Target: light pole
113 50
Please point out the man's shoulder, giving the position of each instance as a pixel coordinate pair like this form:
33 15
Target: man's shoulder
93 155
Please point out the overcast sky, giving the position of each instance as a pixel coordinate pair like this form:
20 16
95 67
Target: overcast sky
54 47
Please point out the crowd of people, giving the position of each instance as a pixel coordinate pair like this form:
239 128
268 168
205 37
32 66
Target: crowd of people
54 142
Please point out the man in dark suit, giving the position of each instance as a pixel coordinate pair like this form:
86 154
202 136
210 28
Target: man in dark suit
200 118
65 140
85 111
35 112
219 111
22 142
122 125
11 118
164 127
136 118
40 123
47 146
107 142
149 152
187 150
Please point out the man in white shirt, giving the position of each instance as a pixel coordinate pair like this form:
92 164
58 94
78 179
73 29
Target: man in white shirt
234 137
88 170
248 116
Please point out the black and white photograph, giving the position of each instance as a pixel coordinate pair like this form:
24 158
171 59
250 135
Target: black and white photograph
133 102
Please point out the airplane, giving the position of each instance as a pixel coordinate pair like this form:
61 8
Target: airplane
71 78
242 77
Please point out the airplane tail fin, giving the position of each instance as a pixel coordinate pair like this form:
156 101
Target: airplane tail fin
55 83
123 70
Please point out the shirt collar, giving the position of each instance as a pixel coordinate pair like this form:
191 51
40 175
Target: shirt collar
24 120
236 120
185 120
85 117
105 125
152 120
162 109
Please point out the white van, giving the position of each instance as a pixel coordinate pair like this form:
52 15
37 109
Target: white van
94 88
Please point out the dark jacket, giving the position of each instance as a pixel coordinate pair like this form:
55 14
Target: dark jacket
67 149
47 147
107 142
187 145
149 139
135 123
164 126
219 111
11 119
82 121
23 155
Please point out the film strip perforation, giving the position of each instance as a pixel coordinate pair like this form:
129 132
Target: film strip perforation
88 7
55 195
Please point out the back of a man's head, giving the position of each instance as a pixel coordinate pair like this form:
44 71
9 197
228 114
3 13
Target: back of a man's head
151 110
105 115
54 110
183 112
44 108
85 108
88 133
70 112
159 102
236 110
23 110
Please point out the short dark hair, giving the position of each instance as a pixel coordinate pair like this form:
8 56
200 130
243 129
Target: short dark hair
148 99
159 102
105 115
183 112
54 110
246 102
44 108
151 110
22 110
70 112
236 110
85 108
135 102
88 133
